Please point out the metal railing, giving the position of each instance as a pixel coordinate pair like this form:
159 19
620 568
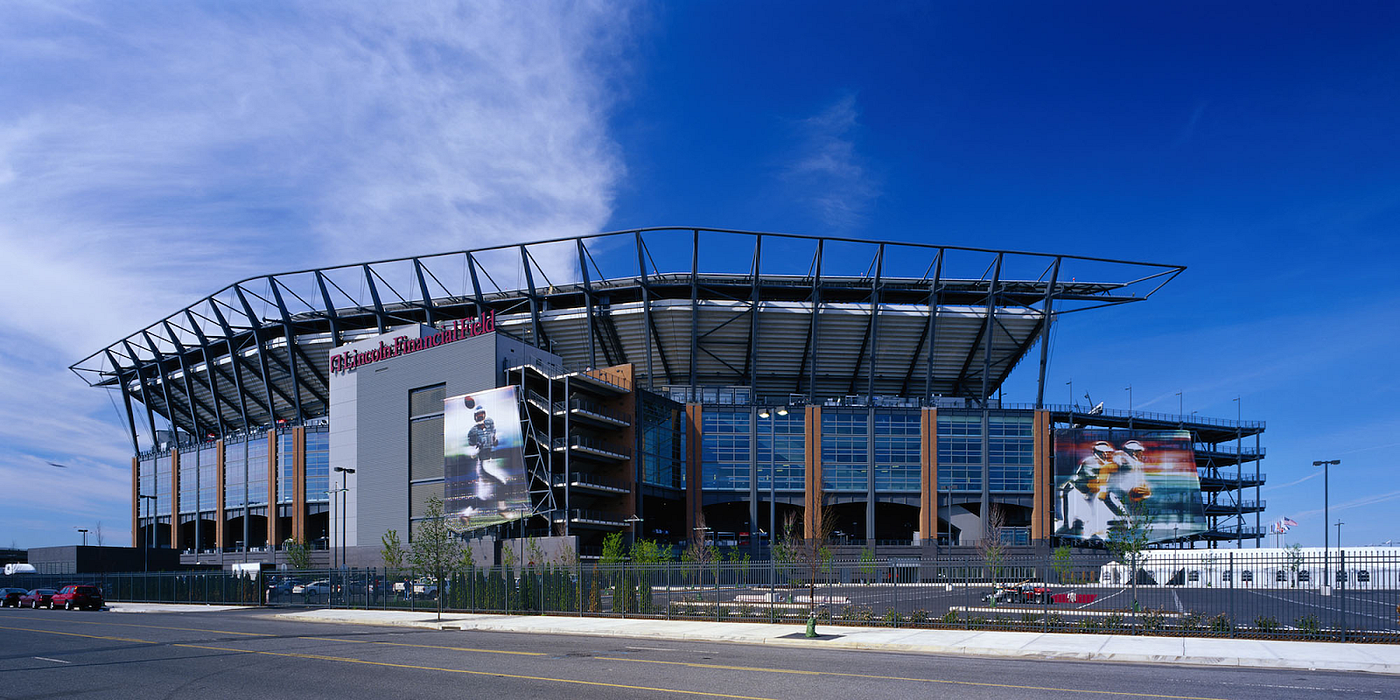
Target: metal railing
1344 595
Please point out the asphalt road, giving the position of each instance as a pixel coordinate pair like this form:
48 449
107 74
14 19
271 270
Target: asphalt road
242 654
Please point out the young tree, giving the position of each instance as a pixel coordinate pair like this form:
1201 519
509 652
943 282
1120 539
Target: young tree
435 549
991 547
1128 539
1295 562
97 533
298 555
392 552
1063 562
811 551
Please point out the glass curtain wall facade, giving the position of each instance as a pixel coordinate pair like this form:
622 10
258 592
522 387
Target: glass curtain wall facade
869 455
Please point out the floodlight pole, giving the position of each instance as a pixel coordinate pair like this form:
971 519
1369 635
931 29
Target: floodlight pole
84 531
1326 464
1339 533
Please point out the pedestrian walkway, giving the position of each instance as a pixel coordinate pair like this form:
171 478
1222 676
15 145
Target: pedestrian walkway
1246 653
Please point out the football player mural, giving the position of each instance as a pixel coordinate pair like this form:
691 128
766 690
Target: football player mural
483 460
1106 479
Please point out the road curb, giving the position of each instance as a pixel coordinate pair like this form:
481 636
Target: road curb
843 641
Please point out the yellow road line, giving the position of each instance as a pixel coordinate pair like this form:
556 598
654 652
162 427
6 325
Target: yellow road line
899 678
75 634
160 627
426 646
473 673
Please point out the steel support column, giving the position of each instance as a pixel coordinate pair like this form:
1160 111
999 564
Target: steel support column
875 320
694 313
331 315
262 348
588 303
427 302
646 311
379 316
291 348
145 391
126 400
536 337
751 361
164 383
235 358
1047 312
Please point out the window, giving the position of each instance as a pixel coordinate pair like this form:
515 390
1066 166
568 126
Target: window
209 476
1246 576
662 428
725 461
1281 575
1304 576
257 470
897 450
1363 576
1193 575
1227 576
318 464
286 454
959 452
235 476
781 451
845 451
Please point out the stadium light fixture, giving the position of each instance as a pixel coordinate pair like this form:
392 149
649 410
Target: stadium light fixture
782 410
763 412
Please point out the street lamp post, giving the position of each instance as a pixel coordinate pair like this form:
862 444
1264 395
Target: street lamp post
1326 464
634 519
1339 533
344 489
84 531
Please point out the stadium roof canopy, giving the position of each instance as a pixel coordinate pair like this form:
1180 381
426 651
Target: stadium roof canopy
789 316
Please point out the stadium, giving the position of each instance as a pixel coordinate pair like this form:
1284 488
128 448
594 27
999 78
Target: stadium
670 383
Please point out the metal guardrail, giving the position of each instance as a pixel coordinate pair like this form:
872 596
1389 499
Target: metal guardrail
1345 595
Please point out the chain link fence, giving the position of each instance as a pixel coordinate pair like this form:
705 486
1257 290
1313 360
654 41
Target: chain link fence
1345 596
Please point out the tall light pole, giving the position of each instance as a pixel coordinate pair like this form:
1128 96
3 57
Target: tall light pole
1180 404
1339 532
84 531
634 519
343 490
1326 464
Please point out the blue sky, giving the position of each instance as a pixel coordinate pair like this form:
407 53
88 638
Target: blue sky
151 153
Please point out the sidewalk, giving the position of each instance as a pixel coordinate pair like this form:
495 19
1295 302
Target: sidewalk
1246 653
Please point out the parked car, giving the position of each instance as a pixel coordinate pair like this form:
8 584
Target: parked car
282 588
77 597
9 597
315 589
38 598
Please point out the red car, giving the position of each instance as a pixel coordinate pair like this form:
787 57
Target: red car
77 597
38 598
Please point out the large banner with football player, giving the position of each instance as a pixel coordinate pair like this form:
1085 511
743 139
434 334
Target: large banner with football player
484 462
1113 480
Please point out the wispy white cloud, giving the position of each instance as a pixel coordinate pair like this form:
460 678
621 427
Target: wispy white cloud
828 169
1363 502
150 154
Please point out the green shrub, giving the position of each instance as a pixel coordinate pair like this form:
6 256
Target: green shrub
1309 626
891 616
1089 624
1265 623
1192 621
1154 619
1112 621
919 617
950 617
1222 623
746 610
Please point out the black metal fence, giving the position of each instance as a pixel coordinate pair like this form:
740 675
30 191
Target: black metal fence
1347 596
